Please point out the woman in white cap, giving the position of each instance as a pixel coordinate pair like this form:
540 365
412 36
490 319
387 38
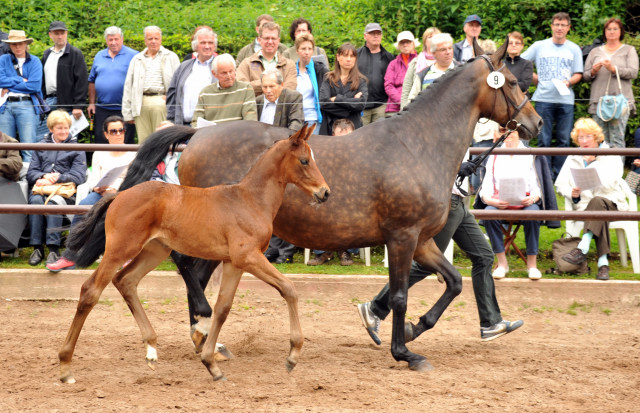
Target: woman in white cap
397 69
20 84
425 59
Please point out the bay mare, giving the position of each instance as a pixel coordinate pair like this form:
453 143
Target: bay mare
391 183
229 223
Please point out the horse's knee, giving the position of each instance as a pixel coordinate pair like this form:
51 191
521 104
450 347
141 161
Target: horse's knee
398 302
456 286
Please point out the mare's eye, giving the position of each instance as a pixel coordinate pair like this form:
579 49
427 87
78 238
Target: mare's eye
304 161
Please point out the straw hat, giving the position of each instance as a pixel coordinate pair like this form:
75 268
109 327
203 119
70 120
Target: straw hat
406 35
18 36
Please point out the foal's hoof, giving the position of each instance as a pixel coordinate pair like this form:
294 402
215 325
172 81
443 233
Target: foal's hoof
68 379
290 364
222 353
420 365
152 364
221 377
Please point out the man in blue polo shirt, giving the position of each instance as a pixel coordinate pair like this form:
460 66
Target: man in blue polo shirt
106 83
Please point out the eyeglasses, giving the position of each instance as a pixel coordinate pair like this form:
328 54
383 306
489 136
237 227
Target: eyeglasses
444 49
270 39
515 43
562 25
116 131
586 138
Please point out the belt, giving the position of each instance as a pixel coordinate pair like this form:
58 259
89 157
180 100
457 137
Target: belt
53 95
153 93
18 98
455 197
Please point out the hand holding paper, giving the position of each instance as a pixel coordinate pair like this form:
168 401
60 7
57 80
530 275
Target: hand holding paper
586 178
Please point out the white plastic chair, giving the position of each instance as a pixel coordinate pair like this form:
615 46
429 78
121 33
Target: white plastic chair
626 231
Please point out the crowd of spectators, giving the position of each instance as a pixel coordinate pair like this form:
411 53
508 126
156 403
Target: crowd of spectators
288 85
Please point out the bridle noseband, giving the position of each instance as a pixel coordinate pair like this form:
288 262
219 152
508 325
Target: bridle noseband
511 125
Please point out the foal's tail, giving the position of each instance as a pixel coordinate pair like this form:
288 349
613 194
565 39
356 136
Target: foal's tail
87 239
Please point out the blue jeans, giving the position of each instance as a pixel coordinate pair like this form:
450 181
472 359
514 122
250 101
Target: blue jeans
47 227
531 232
20 117
42 129
560 116
90 199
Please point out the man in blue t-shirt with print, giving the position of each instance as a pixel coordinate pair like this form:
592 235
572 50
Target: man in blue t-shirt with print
559 66
106 83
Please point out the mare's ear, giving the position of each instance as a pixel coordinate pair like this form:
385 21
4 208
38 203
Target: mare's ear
301 135
499 55
477 50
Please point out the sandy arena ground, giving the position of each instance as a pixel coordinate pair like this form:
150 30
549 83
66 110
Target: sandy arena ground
578 351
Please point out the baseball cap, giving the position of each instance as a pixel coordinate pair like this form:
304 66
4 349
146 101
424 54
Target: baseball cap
57 25
372 27
473 18
406 35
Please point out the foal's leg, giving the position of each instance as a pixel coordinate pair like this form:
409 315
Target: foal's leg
127 280
228 285
259 266
89 295
431 258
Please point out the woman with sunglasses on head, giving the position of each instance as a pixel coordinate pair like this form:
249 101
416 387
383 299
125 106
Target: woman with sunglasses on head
104 162
609 196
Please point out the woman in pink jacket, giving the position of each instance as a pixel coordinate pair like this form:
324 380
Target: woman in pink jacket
397 69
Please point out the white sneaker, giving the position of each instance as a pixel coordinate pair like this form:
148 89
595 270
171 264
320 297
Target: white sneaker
534 274
499 272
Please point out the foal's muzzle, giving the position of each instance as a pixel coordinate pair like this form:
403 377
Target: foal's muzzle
321 195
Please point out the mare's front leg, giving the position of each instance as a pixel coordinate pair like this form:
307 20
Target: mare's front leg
259 266
400 254
196 273
89 295
228 285
127 280
431 258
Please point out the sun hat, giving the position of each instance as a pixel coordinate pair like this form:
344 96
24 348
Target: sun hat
18 36
406 35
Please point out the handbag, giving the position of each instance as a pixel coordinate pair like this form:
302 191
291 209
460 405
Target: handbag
633 180
65 190
563 246
612 107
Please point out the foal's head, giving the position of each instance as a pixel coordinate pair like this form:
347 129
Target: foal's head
300 166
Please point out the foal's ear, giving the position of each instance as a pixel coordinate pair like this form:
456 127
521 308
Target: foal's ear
477 50
302 135
500 53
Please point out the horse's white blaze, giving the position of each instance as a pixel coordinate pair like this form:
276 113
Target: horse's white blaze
152 353
312 156
203 325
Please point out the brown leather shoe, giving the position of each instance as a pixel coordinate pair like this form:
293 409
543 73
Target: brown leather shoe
321 259
603 273
575 257
345 258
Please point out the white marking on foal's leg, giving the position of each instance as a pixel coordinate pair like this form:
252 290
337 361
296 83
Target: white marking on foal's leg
203 325
152 356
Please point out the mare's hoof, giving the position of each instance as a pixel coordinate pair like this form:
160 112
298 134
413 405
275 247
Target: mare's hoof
420 365
222 353
219 378
290 364
152 364
198 340
408 331
68 379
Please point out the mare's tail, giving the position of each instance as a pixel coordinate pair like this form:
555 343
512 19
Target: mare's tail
88 241
88 236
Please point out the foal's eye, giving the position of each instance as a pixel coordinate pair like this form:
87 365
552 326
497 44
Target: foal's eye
304 162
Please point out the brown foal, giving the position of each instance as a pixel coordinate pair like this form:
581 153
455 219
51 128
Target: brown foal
230 223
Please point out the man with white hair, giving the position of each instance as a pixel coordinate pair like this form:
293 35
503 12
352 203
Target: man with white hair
148 79
191 77
106 82
227 99
442 50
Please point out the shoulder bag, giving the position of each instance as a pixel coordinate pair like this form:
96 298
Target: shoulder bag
612 107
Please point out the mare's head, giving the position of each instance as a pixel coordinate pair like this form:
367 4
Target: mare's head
500 97
300 166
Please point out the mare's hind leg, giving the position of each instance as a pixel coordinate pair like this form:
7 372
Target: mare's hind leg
228 285
431 258
89 295
259 266
127 280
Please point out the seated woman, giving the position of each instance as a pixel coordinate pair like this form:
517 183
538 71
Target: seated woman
500 168
606 197
49 168
103 163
